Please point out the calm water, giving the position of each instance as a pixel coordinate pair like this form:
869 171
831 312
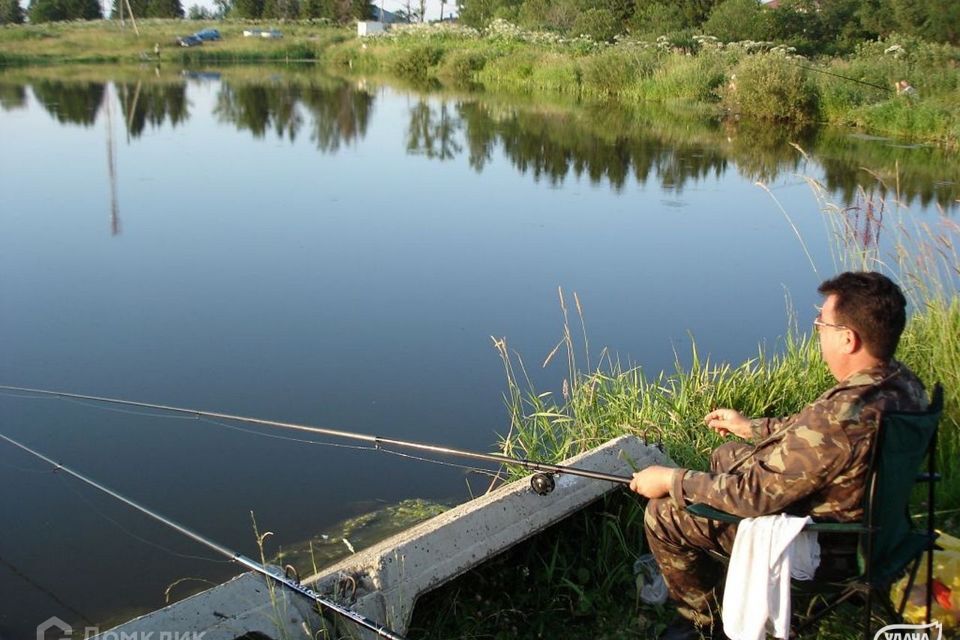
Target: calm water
285 245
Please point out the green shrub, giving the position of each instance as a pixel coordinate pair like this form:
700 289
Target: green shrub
657 18
733 20
350 56
855 83
461 67
417 62
686 77
611 71
514 69
556 72
770 87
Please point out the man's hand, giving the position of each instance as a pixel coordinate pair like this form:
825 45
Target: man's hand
652 482
727 421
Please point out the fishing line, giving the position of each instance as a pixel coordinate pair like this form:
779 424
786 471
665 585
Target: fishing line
254 432
133 535
132 412
276 575
358 447
542 481
837 75
479 470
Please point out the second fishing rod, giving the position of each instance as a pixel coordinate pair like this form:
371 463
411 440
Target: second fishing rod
542 482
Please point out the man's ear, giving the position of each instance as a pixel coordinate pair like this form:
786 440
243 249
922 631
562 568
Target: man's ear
851 342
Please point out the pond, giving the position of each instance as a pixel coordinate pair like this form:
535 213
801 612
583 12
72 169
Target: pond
282 244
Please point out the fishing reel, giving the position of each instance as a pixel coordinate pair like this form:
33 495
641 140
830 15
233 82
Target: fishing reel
542 483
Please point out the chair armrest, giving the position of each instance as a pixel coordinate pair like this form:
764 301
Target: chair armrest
705 511
708 512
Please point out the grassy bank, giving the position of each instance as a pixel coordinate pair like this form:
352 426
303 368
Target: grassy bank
749 79
753 80
105 41
579 575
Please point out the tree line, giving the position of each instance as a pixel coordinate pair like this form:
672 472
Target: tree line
811 25
334 11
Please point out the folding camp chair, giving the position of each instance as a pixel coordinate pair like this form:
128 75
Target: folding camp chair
888 542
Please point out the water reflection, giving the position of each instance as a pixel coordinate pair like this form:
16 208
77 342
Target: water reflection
339 111
70 102
432 131
12 96
153 103
605 142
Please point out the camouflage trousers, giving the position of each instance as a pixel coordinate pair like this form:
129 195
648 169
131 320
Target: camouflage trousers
682 542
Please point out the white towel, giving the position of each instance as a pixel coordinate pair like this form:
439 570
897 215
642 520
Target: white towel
766 552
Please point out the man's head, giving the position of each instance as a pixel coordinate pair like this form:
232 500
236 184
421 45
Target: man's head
861 321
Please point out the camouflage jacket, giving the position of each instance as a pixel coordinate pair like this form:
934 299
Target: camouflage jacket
814 462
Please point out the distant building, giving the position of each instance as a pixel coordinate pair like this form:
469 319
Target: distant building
389 17
771 4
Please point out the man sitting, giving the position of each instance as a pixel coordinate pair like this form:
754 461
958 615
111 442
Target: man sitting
812 463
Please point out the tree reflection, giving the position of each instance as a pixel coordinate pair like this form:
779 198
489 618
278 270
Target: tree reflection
12 96
154 103
432 132
609 142
70 102
340 115
554 145
340 112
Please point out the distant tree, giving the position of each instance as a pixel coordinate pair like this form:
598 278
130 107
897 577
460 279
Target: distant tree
46 11
139 8
281 9
943 21
164 9
422 9
599 24
316 9
360 9
657 18
734 20
83 9
53 10
196 12
479 13
535 14
11 12
251 9
222 8
696 11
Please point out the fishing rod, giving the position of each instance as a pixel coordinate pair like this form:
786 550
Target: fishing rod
280 578
837 75
542 481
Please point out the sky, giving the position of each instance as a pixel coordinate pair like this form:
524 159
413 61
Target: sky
433 6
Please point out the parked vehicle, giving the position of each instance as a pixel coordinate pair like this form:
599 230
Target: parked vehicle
208 34
189 41
270 34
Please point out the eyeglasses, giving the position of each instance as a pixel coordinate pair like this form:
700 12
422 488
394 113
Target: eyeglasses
817 322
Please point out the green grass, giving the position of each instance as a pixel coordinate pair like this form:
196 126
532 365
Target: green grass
105 41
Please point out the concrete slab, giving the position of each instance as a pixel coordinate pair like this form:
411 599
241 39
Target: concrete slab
384 581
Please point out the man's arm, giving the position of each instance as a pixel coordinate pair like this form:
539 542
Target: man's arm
765 427
802 462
